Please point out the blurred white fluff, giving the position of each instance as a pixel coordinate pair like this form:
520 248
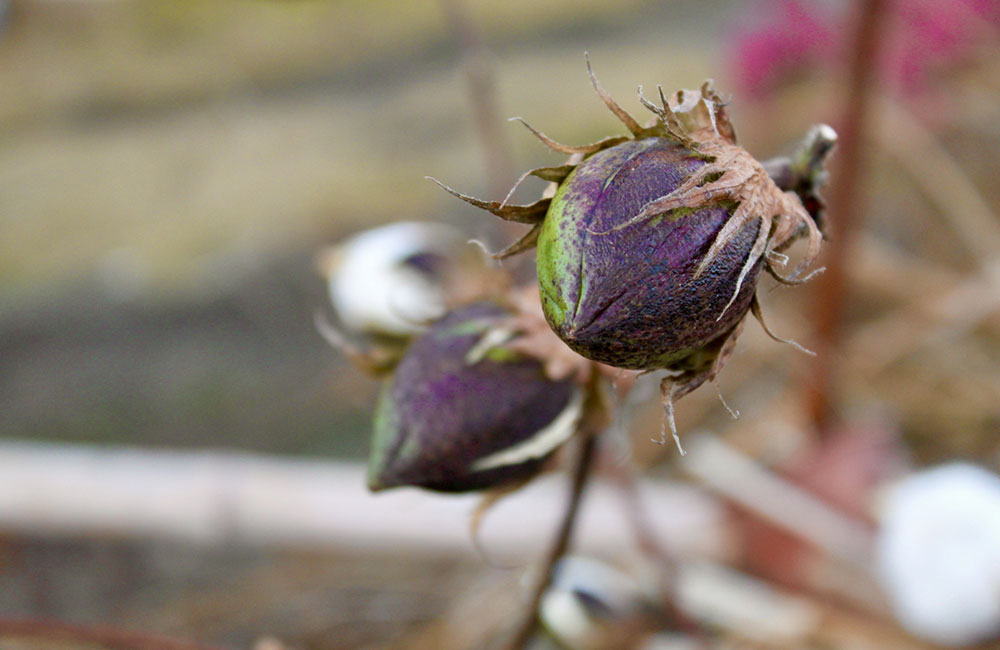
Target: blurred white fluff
380 281
587 601
939 553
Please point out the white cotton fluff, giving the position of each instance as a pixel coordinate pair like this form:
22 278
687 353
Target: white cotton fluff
581 584
939 553
374 289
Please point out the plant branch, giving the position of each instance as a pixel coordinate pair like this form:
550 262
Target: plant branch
104 636
845 208
649 545
482 96
581 473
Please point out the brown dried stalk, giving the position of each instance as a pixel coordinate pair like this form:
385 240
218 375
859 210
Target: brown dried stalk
528 622
107 637
482 94
845 207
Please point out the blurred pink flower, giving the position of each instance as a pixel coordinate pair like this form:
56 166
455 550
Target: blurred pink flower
792 39
929 35
787 40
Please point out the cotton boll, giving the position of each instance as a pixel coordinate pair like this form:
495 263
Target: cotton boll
592 605
456 417
939 553
387 280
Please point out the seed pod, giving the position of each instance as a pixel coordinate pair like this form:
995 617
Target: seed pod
650 249
638 296
459 414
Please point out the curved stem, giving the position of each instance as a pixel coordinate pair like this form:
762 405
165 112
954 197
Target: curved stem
482 95
108 637
581 473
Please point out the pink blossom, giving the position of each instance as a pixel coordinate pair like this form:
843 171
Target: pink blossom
791 39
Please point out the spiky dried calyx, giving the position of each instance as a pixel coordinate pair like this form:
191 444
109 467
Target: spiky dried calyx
463 412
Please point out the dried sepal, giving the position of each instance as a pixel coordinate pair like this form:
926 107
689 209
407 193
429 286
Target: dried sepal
758 313
689 374
532 213
636 129
526 242
569 149
551 174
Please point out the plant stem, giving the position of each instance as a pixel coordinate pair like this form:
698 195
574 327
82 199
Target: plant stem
666 565
581 473
482 96
104 636
844 212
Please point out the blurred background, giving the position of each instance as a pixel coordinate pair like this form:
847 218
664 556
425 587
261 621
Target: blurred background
169 170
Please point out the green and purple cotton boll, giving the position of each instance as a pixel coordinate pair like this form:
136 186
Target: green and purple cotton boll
456 416
650 249
631 295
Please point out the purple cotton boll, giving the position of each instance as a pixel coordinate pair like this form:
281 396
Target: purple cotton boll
631 295
455 417
650 249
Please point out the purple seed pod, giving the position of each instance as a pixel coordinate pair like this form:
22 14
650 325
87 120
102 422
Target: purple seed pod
638 296
650 248
460 413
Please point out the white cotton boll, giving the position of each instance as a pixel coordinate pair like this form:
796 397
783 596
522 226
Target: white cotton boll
586 594
939 553
373 287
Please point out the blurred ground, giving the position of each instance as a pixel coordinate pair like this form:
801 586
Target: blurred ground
168 170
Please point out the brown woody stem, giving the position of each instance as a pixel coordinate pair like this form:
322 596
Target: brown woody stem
482 94
845 208
581 473
104 636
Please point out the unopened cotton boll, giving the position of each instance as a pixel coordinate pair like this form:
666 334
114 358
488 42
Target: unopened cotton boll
387 280
458 415
939 553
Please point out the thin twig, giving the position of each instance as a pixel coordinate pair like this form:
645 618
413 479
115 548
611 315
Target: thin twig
649 545
845 208
482 96
107 637
581 473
